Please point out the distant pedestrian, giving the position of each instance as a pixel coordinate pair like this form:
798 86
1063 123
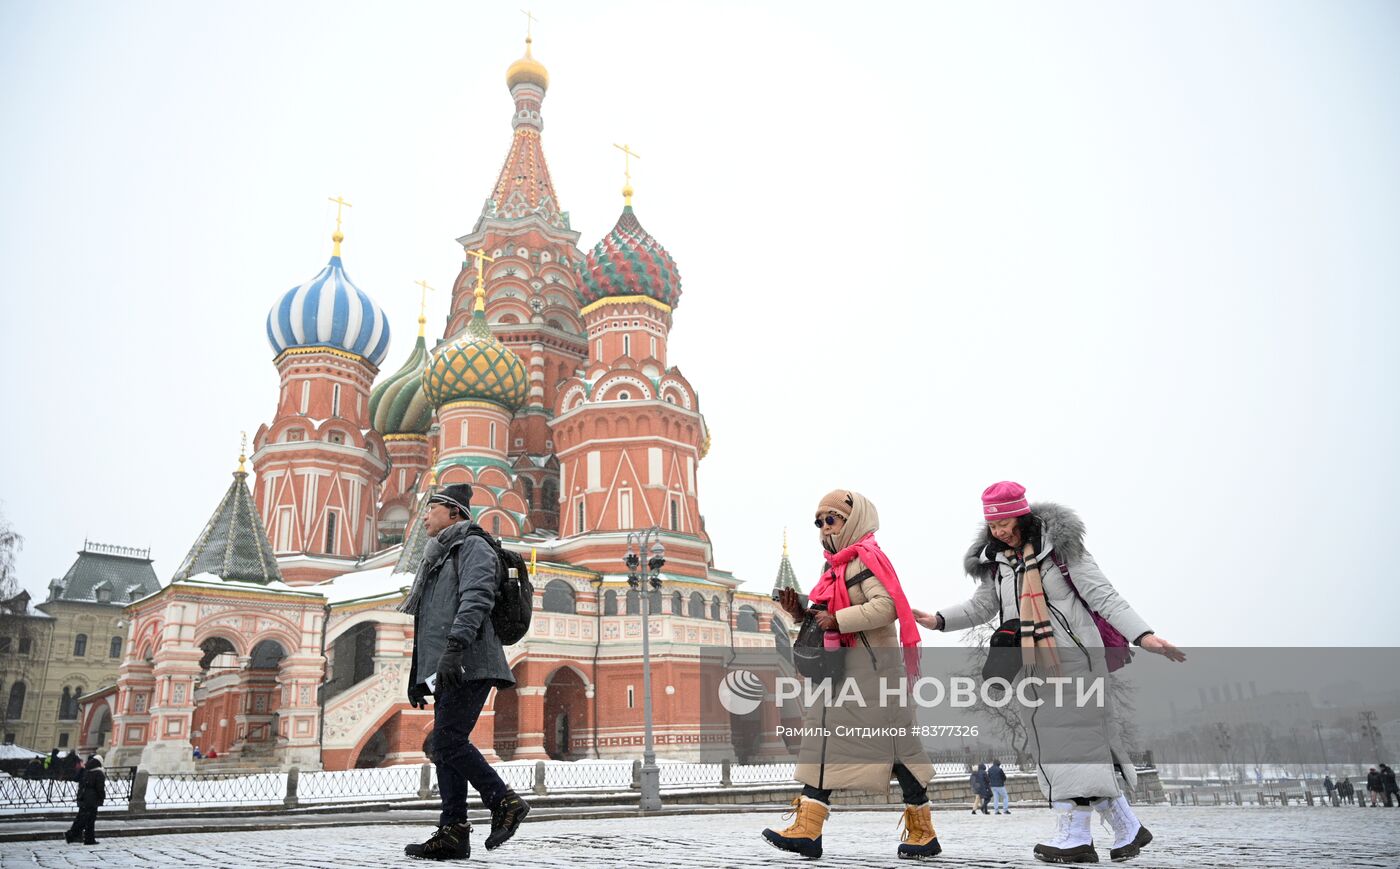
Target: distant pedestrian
197 754
1373 786
92 793
996 777
981 789
1347 791
1330 788
213 753
1388 786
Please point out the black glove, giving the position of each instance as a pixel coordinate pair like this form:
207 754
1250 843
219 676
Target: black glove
418 696
450 673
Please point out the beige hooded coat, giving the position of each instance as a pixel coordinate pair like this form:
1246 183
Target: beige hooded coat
832 756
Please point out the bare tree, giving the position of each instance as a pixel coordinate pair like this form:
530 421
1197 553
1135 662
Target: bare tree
15 634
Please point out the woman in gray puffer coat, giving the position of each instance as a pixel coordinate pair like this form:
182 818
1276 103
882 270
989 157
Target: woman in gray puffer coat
1017 560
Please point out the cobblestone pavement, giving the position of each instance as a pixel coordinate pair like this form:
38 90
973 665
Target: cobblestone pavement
1186 837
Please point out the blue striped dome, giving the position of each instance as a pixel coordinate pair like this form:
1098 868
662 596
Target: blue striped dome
329 311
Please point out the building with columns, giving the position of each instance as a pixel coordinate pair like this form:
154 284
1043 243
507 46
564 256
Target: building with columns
277 642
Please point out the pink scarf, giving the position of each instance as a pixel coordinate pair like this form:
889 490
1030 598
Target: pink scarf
831 590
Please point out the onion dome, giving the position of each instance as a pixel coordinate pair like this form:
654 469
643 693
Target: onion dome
475 365
397 404
629 262
329 311
527 70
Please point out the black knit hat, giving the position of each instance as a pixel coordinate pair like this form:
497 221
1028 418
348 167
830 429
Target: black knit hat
457 495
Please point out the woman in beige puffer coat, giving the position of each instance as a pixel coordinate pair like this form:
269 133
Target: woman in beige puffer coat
858 744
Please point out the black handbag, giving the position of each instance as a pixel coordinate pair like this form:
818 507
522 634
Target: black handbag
1004 652
809 652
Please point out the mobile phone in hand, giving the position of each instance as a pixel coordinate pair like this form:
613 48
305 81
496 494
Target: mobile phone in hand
431 682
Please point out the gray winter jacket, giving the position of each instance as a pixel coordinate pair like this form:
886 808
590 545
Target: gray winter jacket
1077 749
458 594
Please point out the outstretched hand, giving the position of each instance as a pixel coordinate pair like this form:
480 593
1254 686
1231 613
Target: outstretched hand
932 621
1159 646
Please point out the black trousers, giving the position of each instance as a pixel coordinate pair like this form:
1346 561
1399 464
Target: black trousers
83 824
458 762
915 794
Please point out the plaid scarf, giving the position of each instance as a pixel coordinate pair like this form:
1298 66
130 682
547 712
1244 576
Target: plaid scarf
1037 632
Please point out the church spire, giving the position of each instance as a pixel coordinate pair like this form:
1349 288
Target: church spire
786 577
524 187
234 544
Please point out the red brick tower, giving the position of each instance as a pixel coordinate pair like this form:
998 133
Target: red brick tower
628 433
319 462
531 287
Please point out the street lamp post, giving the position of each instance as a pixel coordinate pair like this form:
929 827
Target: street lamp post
637 543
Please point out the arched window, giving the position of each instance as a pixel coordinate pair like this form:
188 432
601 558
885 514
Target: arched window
559 597
634 602
529 489
68 704
80 645
610 603
748 619
267 655
697 606
14 709
714 608
352 658
115 650
676 603
654 602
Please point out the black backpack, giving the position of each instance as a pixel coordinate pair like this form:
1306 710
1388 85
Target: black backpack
515 595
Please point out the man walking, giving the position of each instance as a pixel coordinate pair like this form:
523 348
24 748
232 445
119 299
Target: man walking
996 777
458 659
92 793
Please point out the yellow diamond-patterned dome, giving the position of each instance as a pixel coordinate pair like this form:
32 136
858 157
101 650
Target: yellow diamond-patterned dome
474 365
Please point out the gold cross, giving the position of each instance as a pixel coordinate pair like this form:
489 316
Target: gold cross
423 306
628 154
529 21
242 450
481 260
339 236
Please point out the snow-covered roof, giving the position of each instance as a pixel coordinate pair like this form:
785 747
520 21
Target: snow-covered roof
364 585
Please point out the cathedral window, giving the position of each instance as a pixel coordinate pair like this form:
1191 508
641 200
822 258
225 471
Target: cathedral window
696 609
676 603
714 609
493 435
610 603
463 441
624 508
285 520
305 395
675 514
748 619
295 434
336 437
653 347
624 395
579 528
335 399
331 517
626 345
559 597
634 602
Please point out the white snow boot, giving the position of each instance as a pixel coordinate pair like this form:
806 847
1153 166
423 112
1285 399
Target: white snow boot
1129 835
1072 842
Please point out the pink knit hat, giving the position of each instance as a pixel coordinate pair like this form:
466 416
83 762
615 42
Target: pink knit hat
1004 500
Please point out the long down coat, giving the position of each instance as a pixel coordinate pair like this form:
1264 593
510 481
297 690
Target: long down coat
1090 739
839 759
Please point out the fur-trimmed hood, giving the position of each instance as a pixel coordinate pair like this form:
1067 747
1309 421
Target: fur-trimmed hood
1060 525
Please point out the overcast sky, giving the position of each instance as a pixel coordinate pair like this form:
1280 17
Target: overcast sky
1140 257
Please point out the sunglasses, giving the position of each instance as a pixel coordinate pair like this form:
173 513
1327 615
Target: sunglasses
829 519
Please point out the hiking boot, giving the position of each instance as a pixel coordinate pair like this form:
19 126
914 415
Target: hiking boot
89 841
1072 842
919 841
505 818
1129 835
452 842
804 835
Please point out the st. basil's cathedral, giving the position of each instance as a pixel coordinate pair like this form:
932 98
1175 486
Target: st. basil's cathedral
277 642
